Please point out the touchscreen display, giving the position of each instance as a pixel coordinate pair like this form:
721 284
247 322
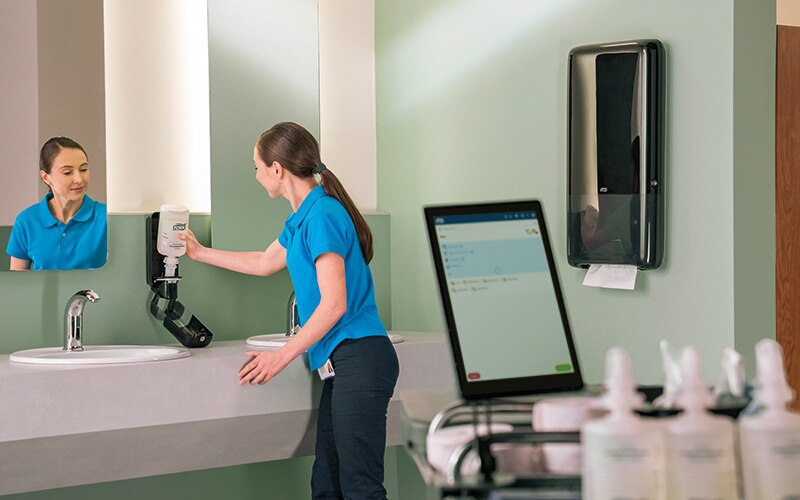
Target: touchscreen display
502 295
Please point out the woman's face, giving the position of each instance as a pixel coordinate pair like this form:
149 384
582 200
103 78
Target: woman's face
266 176
69 175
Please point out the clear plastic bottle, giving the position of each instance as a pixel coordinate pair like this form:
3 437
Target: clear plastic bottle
701 461
172 221
623 455
770 439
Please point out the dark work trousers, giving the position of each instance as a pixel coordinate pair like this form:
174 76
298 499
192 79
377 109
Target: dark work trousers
351 423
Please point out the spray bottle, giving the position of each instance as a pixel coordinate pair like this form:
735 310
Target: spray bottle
623 455
770 439
701 462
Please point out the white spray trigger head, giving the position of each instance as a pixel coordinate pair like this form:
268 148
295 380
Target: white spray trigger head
672 376
733 367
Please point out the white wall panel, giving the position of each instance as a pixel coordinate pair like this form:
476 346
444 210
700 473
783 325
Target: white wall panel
347 96
157 106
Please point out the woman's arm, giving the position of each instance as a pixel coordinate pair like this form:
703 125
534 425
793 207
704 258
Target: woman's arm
265 263
19 264
332 306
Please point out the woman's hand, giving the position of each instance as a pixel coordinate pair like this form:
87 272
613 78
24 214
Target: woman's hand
333 303
263 366
193 247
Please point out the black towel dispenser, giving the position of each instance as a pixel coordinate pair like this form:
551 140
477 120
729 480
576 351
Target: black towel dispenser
615 155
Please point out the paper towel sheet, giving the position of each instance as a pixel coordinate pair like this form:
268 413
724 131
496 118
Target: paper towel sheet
611 276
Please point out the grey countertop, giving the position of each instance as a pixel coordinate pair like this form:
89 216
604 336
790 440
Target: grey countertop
65 426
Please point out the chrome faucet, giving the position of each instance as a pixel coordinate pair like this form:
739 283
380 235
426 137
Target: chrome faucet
73 319
292 316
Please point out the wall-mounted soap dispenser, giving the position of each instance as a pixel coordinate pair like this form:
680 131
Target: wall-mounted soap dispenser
161 253
615 154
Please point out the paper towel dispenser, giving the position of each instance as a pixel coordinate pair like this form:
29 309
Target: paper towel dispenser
615 154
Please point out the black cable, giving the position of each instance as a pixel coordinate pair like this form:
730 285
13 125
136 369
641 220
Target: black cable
488 464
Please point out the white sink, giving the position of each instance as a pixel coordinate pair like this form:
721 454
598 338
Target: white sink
278 339
268 340
99 354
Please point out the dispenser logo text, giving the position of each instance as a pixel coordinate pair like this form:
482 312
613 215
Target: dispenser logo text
181 226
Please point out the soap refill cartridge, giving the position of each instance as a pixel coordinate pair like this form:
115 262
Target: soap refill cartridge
173 221
701 456
163 248
770 439
623 454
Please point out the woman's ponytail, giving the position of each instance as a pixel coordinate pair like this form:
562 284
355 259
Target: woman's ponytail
297 151
333 187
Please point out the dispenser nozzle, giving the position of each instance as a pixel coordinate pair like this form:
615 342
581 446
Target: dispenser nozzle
170 263
694 393
621 394
773 390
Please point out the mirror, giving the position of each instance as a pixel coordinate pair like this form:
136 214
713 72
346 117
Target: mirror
52 85
257 77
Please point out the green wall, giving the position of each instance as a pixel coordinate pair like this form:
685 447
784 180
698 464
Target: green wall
471 106
753 174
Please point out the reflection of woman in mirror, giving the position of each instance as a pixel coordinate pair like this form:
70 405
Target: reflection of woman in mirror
67 229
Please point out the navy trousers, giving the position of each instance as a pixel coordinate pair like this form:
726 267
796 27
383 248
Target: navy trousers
351 423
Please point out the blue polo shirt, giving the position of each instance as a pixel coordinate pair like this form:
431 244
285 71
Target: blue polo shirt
320 225
50 244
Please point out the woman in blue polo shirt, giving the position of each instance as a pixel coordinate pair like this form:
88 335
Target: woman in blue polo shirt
326 246
67 229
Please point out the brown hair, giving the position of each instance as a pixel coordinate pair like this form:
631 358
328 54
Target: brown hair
52 147
297 151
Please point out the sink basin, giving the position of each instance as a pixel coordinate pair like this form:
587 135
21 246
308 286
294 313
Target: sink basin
268 340
278 339
99 355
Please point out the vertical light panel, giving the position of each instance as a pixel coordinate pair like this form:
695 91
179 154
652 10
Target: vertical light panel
788 13
157 106
347 96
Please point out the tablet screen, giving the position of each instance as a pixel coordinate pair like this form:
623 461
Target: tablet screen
501 299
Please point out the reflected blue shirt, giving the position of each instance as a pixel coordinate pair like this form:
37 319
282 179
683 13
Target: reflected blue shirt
321 225
50 244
